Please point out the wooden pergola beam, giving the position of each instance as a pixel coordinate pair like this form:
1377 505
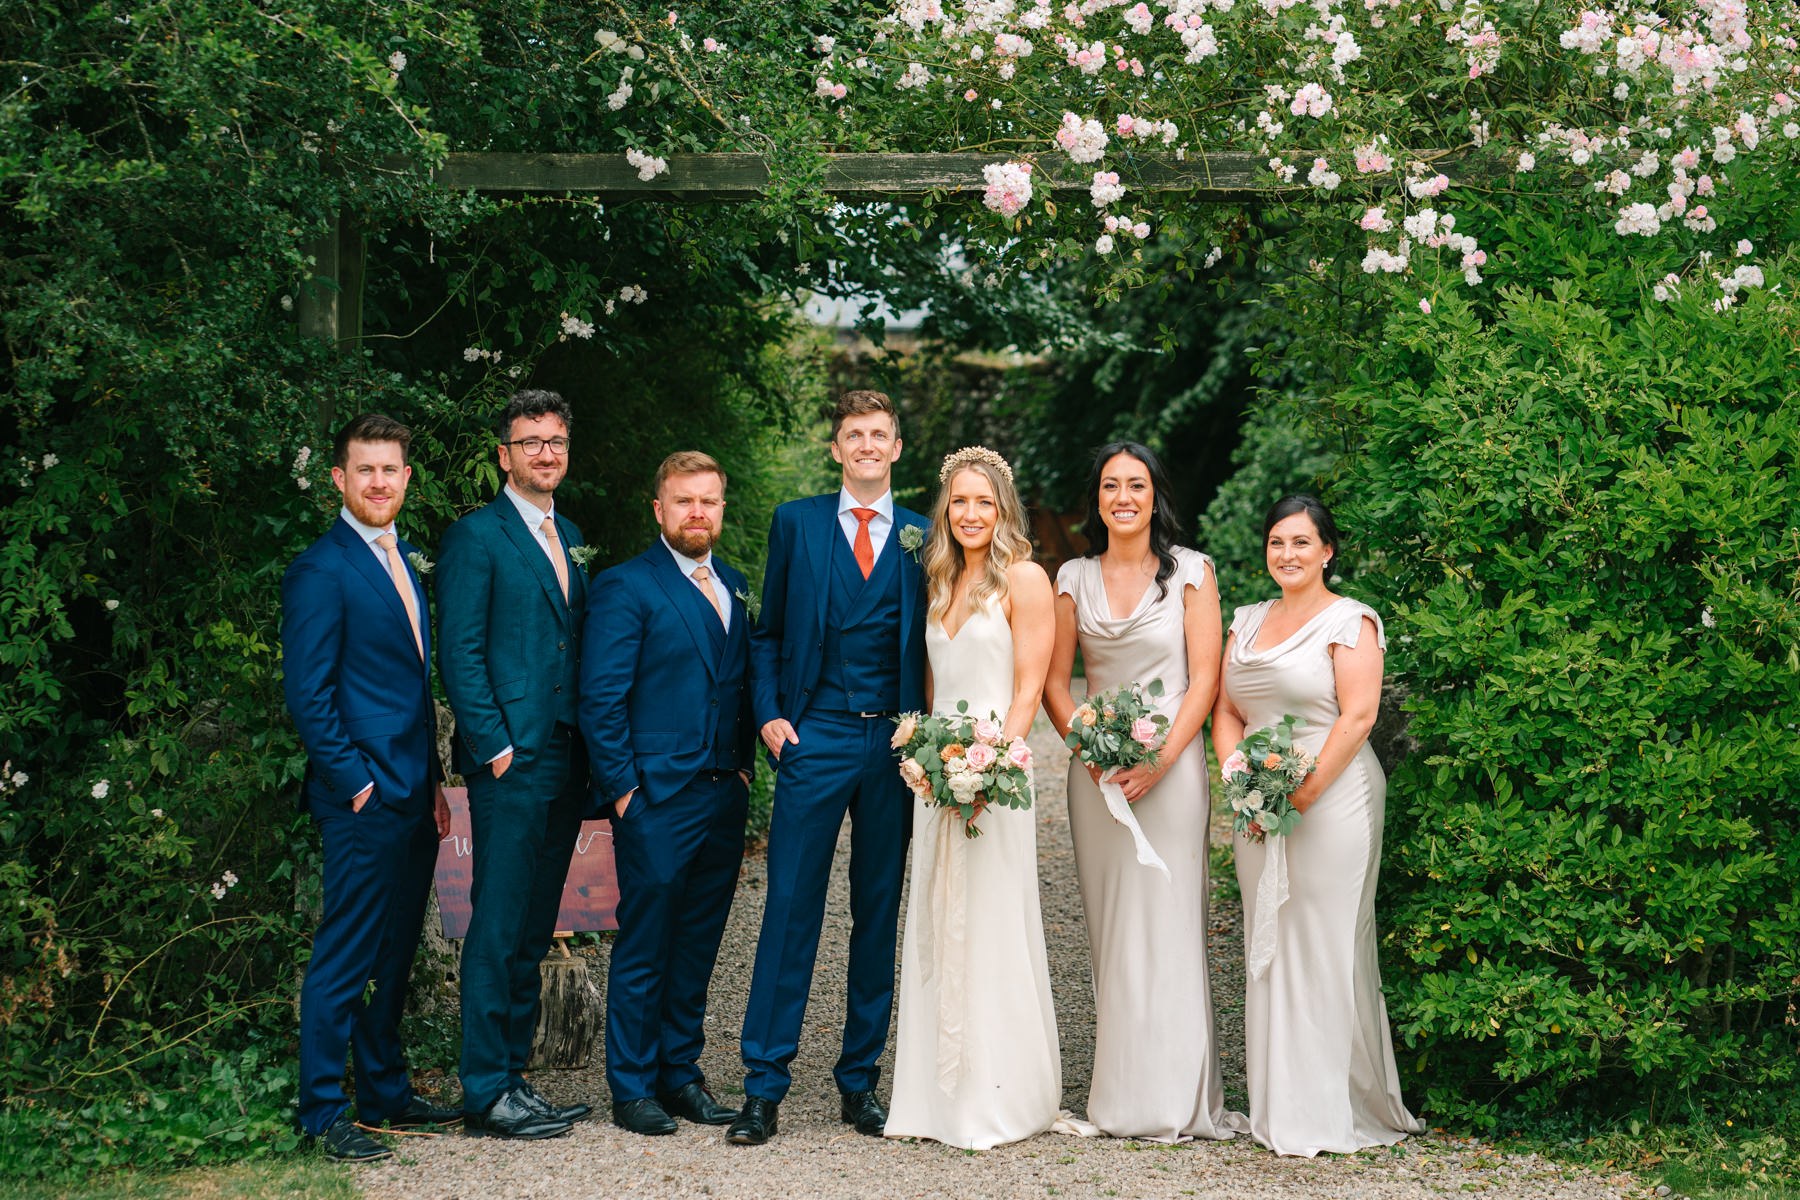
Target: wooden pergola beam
702 178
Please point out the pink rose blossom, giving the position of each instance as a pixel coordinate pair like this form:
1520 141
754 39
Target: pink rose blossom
1144 731
1237 764
981 756
1019 755
988 731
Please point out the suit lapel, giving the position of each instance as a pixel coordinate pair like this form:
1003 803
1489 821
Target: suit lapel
702 622
536 561
362 560
419 598
577 576
910 577
820 527
869 592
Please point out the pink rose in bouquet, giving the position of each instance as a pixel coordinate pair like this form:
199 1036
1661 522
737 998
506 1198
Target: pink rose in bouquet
981 756
1144 732
1237 764
989 732
1019 755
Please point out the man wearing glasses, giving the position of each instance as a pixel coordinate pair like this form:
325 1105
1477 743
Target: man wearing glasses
511 601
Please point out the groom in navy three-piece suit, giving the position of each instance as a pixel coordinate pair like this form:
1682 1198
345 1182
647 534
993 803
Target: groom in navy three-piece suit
356 667
839 649
665 710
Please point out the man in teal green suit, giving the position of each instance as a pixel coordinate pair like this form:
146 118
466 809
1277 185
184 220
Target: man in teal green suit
509 628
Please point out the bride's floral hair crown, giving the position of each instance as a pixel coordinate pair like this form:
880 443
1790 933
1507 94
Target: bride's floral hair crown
968 456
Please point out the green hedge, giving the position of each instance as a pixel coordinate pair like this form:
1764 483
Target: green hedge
1581 513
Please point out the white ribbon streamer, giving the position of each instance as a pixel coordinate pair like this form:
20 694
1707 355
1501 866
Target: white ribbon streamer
1068 1123
949 943
1271 894
1120 808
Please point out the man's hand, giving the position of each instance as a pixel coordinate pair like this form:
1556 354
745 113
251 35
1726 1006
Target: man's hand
778 733
745 776
501 764
440 812
361 798
620 804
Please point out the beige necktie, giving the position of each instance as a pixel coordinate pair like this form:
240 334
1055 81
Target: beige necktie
556 556
403 585
703 580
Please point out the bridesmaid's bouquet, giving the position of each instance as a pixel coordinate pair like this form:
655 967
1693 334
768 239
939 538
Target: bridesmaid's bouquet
1264 770
958 762
1118 729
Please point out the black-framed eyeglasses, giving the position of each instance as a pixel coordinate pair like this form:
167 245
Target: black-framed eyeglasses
531 445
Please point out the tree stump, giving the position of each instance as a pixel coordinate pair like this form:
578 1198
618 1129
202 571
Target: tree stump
570 1012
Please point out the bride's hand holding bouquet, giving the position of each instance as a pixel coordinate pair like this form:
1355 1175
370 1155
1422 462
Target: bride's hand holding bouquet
959 762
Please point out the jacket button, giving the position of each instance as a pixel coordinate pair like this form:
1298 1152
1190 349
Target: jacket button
559 687
715 703
559 646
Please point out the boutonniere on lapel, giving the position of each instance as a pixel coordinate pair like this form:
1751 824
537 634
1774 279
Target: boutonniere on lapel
912 539
420 563
751 601
583 555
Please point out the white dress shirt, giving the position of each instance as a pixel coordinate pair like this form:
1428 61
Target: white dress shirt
879 525
690 565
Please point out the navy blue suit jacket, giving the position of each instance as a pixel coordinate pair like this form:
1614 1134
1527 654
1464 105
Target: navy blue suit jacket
509 645
786 648
357 689
662 681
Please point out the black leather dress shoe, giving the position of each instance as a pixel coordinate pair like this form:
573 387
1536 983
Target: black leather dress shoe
695 1102
755 1125
556 1112
419 1113
344 1142
644 1116
864 1111
512 1117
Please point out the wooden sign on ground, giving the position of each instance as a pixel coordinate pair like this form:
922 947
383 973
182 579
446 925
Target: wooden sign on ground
590 894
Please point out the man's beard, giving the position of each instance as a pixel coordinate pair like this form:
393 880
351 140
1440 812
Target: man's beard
691 543
524 481
364 512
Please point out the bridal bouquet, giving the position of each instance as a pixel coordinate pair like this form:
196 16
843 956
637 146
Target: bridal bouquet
958 762
1264 770
1117 730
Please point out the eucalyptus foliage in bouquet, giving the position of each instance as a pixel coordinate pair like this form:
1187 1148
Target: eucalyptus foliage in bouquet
1118 729
1264 770
958 762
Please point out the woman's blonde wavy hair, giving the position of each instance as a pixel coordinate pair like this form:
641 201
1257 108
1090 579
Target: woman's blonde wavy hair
943 558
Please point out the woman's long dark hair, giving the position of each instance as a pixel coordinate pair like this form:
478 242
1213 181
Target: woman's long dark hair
1164 528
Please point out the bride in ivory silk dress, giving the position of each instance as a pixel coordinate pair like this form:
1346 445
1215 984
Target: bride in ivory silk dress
1319 1053
976 1060
1141 608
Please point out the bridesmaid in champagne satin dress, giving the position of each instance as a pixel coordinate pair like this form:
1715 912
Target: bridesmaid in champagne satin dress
1319 1052
1156 1064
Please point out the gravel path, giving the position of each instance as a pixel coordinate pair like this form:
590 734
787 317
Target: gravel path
814 1155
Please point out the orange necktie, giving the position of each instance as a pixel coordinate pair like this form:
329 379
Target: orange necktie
863 548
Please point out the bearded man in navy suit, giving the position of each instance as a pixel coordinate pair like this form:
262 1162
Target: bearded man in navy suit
511 600
839 649
356 670
665 710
